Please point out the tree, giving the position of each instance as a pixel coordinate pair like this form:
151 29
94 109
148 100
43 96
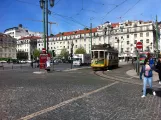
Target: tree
80 50
21 55
64 54
51 35
36 53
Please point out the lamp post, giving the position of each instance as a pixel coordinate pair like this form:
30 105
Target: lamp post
91 35
71 55
42 6
121 50
45 22
105 30
118 44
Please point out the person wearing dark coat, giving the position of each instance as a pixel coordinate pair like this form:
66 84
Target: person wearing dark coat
158 67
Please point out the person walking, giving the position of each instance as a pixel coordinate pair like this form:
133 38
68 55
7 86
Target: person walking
158 68
147 70
151 61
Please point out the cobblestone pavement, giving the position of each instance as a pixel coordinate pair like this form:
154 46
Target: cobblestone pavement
75 95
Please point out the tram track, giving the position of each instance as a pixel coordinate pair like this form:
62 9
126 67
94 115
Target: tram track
115 78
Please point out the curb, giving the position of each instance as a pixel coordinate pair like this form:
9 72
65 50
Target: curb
132 73
77 69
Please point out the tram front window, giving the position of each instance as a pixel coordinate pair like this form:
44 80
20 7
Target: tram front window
95 55
101 54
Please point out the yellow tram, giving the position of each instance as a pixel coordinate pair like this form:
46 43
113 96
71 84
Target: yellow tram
104 57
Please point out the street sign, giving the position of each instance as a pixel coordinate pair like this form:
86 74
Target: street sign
44 50
139 45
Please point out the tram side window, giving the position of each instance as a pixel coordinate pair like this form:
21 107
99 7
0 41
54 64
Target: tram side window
95 54
109 56
106 55
101 54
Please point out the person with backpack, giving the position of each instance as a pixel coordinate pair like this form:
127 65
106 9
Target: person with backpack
147 70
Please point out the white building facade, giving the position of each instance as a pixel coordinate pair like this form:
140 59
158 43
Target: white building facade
7 46
27 44
122 36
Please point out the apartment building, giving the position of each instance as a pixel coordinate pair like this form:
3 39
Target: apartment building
7 46
123 36
27 44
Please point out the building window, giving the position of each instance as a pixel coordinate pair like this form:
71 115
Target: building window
75 46
121 30
121 37
135 41
68 47
135 35
141 41
127 36
127 42
122 50
51 43
84 40
141 34
64 46
147 40
147 34
115 37
39 44
51 48
76 41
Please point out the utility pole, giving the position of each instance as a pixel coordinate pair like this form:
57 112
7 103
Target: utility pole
156 38
91 35
45 22
47 38
42 5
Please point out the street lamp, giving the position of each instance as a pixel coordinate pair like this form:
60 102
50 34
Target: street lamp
42 2
52 3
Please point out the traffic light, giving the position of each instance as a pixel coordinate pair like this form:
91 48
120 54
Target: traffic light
53 52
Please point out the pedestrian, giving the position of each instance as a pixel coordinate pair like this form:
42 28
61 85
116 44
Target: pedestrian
151 61
158 68
147 70
32 64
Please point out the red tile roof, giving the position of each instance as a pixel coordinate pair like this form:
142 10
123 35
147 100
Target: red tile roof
115 25
30 37
75 32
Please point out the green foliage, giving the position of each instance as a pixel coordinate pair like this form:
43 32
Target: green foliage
36 53
64 54
51 35
86 28
80 50
21 55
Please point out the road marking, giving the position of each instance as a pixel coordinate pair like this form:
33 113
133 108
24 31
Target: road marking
65 102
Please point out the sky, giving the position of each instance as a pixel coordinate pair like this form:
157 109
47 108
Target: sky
73 15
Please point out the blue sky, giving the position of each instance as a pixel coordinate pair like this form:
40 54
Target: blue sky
70 16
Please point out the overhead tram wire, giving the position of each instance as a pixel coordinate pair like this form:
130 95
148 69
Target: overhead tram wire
130 8
114 9
66 17
57 2
27 3
71 19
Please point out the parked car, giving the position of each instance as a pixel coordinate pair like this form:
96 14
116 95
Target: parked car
3 61
28 61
